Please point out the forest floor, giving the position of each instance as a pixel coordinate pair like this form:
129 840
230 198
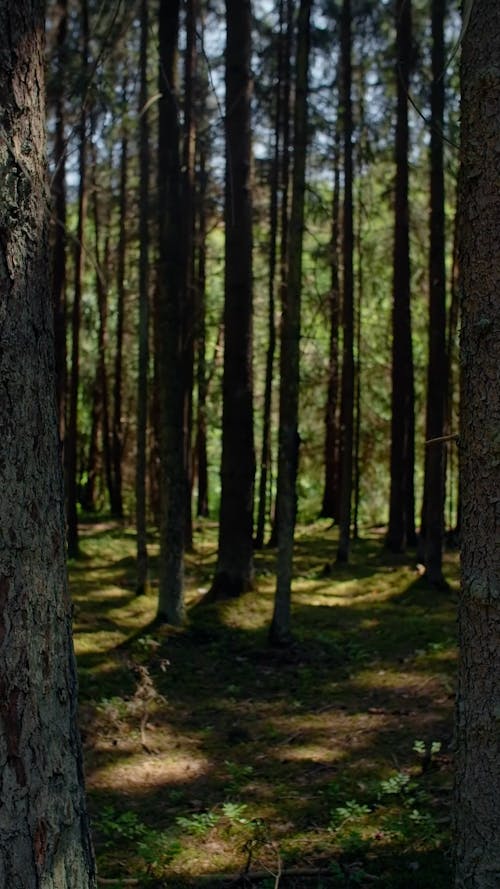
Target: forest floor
213 759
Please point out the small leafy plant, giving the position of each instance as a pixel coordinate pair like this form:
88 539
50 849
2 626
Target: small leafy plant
199 824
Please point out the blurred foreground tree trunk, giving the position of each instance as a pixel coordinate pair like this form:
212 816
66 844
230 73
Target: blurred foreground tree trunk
477 784
44 830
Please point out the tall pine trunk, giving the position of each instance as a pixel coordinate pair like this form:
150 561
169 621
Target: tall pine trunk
72 432
116 496
288 452
284 184
435 465
330 504
477 784
235 571
142 376
169 334
266 454
401 531
44 833
347 385
188 210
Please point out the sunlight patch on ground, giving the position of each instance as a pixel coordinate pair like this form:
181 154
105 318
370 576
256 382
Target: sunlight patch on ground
97 641
143 773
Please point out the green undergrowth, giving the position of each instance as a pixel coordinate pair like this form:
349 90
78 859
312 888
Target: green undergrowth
212 757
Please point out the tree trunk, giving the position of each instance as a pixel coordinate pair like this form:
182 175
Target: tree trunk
101 388
201 369
401 507
44 830
347 387
116 496
265 460
169 337
142 377
188 300
435 465
330 504
235 571
288 447
477 785
72 432
285 186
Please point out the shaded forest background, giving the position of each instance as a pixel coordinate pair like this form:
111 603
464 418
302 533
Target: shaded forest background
170 384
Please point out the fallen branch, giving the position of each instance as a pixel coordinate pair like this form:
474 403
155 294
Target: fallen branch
441 439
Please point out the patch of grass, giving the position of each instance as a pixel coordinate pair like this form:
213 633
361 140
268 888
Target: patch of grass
329 757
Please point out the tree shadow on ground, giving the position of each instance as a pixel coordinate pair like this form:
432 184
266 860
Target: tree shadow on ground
291 735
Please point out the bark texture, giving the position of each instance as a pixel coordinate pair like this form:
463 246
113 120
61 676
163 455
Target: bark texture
477 812
44 835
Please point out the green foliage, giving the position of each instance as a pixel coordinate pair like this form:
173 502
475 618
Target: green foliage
239 775
234 812
349 811
198 824
119 827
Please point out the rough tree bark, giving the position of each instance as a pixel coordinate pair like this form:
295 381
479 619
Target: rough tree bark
477 793
44 832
